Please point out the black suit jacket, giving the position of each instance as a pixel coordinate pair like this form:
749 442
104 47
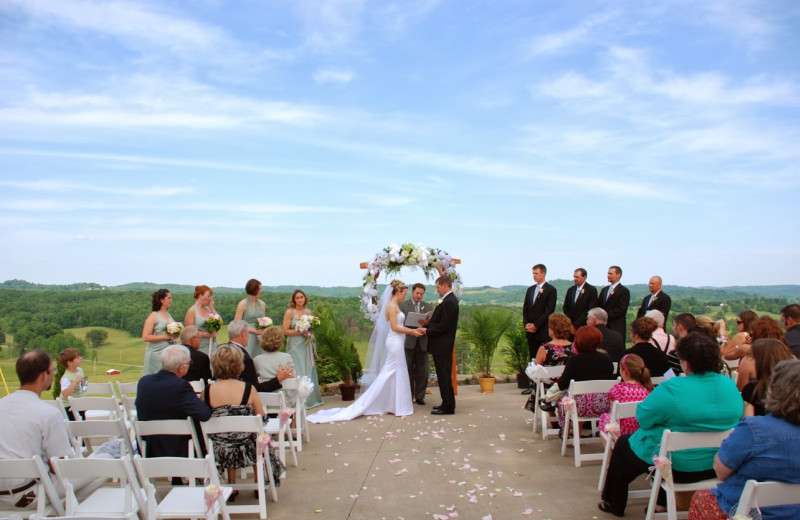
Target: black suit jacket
576 311
539 312
613 343
200 369
164 395
661 303
442 328
249 373
617 307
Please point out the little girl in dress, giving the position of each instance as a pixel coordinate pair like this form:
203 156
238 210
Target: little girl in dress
635 386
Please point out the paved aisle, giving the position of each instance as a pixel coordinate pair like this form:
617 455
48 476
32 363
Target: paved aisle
485 460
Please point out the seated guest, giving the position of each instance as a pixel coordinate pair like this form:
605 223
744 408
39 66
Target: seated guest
763 327
682 324
704 400
767 353
739 345
654 359
635 386
665 342
239 332
200 365
761 448
790 317
272 359
613 343
167 395
556 351
586 364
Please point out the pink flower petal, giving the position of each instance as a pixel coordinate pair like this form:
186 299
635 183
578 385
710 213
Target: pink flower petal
517 494
393 461
328 471
354 497
473 499
528 512
404 470
487 517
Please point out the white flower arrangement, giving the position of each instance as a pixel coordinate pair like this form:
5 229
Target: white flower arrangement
393 258
174 327
306 322
264 322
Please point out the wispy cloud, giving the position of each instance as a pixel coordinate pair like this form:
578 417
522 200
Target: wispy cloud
395 17
45 185
332 75
562 41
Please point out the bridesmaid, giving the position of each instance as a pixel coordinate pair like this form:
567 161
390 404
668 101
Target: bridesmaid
302 353
249 310
197 315
155 331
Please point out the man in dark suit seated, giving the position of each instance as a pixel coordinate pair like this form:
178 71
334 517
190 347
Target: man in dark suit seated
200 367
613 343
166 395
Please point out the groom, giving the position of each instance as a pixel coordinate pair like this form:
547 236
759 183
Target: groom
441 332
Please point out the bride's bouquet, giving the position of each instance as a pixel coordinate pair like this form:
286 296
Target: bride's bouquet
213 322
264 323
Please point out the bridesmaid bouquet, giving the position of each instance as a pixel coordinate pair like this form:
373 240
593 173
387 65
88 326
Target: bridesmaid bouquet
175 327
264 323
213 322
307 322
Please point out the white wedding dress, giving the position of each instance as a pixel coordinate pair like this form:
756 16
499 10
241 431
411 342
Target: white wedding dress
390 392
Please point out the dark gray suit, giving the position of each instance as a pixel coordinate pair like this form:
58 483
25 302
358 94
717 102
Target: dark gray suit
417 353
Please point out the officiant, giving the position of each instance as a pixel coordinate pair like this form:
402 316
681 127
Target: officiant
417 347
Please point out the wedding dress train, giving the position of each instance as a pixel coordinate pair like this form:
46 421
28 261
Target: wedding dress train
390 392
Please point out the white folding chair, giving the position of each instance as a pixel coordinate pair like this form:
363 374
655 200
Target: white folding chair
657 380
619 411
34 469
182 427
733 367
95 407
182 501
547 420
83 432
756 495
99 390
247 424
676 441
576 389
300 430
129 516
127 396
198 386
107 501
273 403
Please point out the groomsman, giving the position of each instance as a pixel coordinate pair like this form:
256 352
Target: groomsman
580 298
539 304
614 299
417 347
657 299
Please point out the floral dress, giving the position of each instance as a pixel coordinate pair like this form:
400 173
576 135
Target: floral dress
233 450
624 392
556 354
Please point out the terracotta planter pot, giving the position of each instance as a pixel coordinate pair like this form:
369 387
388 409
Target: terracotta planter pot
487 384
348 392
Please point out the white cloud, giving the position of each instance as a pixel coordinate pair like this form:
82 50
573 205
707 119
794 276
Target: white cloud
336 76
45 185
395 17
573 85
563 40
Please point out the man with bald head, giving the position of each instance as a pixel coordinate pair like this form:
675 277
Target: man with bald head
657 299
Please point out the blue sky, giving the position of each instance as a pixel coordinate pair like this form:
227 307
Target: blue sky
214 141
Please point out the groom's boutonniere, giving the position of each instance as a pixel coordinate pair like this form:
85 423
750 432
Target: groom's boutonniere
438 302
583 291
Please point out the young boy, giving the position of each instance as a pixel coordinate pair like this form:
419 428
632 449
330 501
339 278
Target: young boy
70 359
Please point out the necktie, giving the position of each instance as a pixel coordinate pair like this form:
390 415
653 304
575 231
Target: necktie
651 300
416 307
535 293
608 292
577 293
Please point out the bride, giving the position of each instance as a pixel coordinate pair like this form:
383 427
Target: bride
389 390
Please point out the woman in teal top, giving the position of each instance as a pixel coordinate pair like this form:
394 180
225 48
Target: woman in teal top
249 310
198 314
704 400
301 345
155 331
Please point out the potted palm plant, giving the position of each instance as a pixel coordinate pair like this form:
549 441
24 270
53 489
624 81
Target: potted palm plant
484 329
515 353
337 346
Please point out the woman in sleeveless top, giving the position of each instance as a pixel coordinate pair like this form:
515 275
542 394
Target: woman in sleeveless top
230 397
197 315
249 310
300 346
155 331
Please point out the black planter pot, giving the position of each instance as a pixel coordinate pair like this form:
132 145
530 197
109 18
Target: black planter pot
523 381
348 392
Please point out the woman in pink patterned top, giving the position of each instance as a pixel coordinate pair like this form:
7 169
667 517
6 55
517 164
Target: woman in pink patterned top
635 386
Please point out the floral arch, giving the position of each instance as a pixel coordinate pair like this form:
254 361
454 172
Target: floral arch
392 258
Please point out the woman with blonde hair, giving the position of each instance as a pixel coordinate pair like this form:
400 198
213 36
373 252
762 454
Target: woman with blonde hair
199 313
300 345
